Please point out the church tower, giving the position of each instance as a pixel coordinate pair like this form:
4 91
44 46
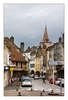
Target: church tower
45 43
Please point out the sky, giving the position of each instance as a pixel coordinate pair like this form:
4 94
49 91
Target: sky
26 22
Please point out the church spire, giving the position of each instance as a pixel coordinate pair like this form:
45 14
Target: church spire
45 37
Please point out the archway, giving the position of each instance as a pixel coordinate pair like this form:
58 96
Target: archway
38 73
32 72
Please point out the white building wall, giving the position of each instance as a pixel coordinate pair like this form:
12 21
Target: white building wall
6 78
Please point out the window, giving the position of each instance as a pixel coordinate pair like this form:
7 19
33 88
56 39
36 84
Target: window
31 65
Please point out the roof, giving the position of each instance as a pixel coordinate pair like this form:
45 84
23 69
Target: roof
55 45
38 52
7 39
30 49
14 53
45 37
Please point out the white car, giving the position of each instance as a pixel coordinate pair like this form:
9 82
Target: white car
57 82
27 82
36 77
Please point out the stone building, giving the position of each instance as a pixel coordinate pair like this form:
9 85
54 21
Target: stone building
30 54
55 53
40 53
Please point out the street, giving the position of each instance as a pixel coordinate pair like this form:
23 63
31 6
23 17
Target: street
37 85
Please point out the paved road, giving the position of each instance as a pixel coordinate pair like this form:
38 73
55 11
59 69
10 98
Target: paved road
37 85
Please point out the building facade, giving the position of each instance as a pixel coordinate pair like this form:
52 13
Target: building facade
21 65
6 67
55 53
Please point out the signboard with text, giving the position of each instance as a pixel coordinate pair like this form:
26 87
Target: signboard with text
53 63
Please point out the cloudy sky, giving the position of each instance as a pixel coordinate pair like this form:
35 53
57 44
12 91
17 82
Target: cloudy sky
26 22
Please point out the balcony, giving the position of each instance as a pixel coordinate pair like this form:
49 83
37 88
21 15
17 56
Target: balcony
20 69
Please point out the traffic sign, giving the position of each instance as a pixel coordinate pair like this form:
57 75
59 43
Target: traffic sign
53 63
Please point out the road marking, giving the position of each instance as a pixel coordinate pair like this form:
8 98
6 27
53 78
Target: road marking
49 89
36 89
28 89
26 93
56 90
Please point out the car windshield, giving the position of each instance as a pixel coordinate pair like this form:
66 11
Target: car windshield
26 77
26 80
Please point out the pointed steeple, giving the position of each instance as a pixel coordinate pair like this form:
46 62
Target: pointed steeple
45 37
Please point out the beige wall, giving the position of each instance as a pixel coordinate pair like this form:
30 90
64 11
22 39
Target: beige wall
6 52
37 64
6 73
6 78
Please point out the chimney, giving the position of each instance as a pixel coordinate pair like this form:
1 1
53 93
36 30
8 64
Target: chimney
22 46
60 39
12 39
28 47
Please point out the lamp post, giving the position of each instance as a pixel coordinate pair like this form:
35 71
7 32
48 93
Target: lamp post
53 63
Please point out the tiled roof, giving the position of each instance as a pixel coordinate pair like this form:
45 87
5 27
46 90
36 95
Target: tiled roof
14 53
30 49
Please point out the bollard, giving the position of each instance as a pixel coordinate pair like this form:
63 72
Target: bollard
43 90
51 91
17 89
19 93
41 94
31 89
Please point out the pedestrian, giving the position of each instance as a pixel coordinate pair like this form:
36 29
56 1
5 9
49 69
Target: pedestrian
11 81
44 79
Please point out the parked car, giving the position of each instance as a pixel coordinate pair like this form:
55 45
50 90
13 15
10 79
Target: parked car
21 78
26 81
57 82
41 77
51 81
32 75
61 83
36 77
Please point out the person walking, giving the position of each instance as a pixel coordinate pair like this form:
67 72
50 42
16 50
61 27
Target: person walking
44 79
11 81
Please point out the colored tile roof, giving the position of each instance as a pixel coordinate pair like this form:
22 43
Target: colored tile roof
14 53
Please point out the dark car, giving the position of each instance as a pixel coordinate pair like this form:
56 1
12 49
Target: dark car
21 78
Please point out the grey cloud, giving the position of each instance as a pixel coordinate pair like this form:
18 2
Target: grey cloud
27 22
